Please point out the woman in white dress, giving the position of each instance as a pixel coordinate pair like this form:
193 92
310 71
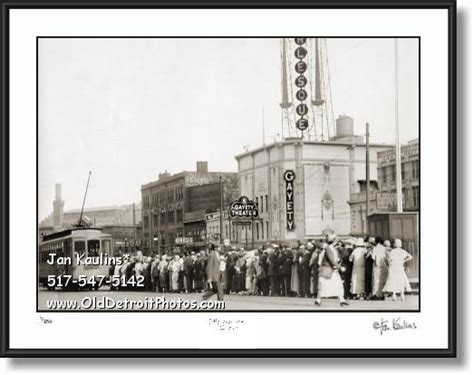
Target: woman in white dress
379 270
357 258
329 281
397 280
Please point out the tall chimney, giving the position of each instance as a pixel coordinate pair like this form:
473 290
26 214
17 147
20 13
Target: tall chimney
201 167
58 208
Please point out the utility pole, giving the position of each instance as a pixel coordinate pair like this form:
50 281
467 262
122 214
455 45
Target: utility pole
398 163
367 177
221 219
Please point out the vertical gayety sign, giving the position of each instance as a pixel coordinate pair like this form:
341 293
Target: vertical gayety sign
289 177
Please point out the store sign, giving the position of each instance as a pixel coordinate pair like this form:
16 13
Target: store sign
243 209
183 240
301 81
289 177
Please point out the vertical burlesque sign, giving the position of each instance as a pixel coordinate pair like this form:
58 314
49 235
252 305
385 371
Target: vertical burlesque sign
289 177
301 82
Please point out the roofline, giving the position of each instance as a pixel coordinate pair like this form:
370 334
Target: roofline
298 140
178 176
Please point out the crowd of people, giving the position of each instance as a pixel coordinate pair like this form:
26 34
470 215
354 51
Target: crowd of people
352 268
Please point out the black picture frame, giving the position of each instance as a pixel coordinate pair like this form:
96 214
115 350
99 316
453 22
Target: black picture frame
5 349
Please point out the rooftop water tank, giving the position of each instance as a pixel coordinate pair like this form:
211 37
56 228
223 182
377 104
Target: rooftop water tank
344 126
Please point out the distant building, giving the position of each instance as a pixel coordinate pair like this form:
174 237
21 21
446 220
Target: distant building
325 175
202 200
167 207
98 216
213 228
382 196
58 208
410 170
125 238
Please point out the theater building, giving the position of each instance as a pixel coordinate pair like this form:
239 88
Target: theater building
303 188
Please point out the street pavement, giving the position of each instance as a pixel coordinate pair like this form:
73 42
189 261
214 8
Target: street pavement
236 302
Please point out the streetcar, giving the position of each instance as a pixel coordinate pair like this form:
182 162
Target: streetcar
66 250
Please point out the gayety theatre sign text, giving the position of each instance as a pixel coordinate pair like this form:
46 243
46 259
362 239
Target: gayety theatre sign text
243 209
289 177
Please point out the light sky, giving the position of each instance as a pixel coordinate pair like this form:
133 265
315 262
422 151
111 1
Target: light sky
128 109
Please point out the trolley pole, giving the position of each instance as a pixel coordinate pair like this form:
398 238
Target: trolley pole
84 200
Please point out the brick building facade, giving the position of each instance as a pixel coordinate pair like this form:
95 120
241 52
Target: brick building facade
172 201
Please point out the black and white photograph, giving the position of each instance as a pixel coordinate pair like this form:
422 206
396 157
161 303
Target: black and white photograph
283 171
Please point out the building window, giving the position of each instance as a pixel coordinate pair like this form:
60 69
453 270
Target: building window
146 222
170 218
384 175
179 193
170 195
394 173
414 167
162 217
416 196
266 203
256 231
262 203
155 220
267 229
179 214
403 171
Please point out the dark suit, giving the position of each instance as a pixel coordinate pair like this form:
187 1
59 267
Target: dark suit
287 263
213 283
273 273
188 273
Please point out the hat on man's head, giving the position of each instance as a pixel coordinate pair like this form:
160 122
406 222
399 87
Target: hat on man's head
331 237
360 242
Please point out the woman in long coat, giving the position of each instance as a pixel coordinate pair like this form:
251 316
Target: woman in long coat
357 258
295 284
163 268
175 268
397 280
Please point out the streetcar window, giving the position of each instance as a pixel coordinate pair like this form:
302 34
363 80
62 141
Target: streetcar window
106 246
44 256
93 247
79 247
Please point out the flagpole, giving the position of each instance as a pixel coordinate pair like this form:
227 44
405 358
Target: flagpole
397 139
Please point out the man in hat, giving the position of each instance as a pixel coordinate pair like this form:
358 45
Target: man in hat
273 272
369 262
309 247
188 273
213 283
155 274
346 267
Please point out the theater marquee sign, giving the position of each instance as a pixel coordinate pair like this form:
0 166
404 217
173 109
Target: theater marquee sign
289 177
243 209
